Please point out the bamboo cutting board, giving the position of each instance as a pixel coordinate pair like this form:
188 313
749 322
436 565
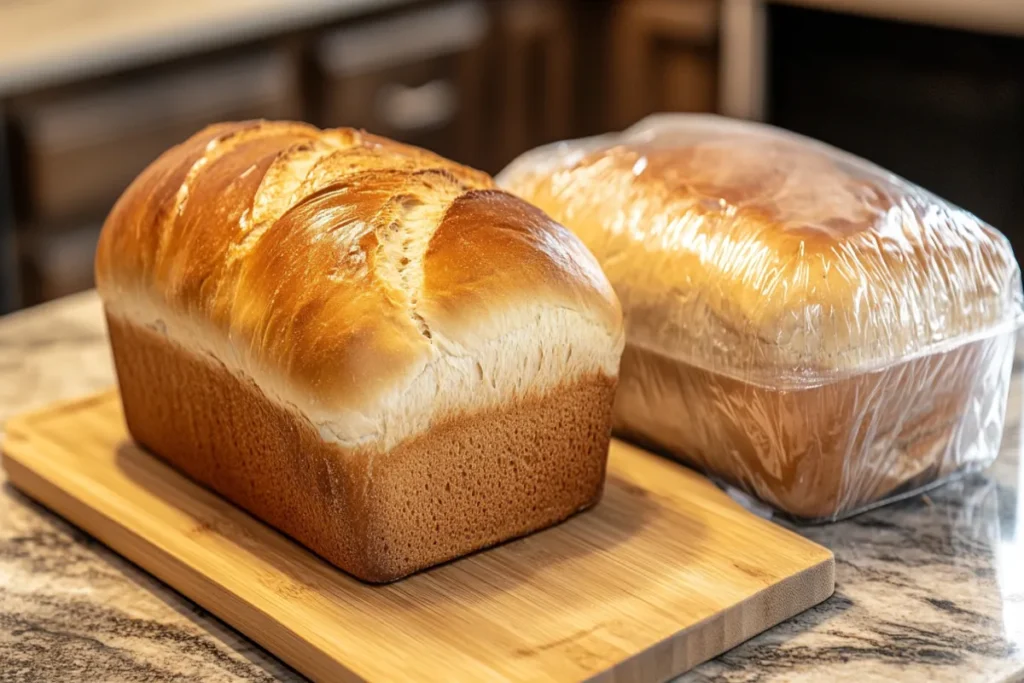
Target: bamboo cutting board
664 573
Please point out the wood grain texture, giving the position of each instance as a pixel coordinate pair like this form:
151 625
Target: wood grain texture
663 574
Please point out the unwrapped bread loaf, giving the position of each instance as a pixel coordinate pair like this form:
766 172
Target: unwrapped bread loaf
368 346
800 323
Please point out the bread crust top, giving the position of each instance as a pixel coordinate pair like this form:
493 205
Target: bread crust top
373 285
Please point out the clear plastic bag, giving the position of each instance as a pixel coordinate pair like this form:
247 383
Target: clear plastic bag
801 323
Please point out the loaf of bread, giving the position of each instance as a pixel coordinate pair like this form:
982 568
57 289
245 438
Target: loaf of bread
800 323
367 346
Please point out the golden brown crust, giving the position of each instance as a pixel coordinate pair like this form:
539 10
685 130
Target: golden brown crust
495 231
310 253
471 482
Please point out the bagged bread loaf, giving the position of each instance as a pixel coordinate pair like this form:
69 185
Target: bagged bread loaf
800 323
368 346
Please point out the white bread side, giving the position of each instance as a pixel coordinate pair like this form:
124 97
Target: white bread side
552 348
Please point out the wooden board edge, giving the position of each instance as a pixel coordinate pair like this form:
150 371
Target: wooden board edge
192 585
20 420
668 664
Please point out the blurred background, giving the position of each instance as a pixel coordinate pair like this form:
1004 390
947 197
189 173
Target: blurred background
93 90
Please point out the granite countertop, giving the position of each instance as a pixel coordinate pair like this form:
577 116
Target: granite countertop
928 589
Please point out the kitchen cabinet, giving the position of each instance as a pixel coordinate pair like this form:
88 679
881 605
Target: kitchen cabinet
10 284
58 263
535 70
80 147
77 148
663 58
416 77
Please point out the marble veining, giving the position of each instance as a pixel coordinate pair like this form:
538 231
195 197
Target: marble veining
928 589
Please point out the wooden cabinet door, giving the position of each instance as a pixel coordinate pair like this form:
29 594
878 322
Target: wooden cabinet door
416 77
82 148
536 83
663 58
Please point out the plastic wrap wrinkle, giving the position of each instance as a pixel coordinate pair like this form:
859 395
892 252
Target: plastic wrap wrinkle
800 322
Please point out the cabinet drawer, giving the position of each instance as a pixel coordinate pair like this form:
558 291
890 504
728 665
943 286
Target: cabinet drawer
416 77
81 150
59 263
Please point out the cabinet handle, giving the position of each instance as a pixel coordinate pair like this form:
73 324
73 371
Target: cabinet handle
405 108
